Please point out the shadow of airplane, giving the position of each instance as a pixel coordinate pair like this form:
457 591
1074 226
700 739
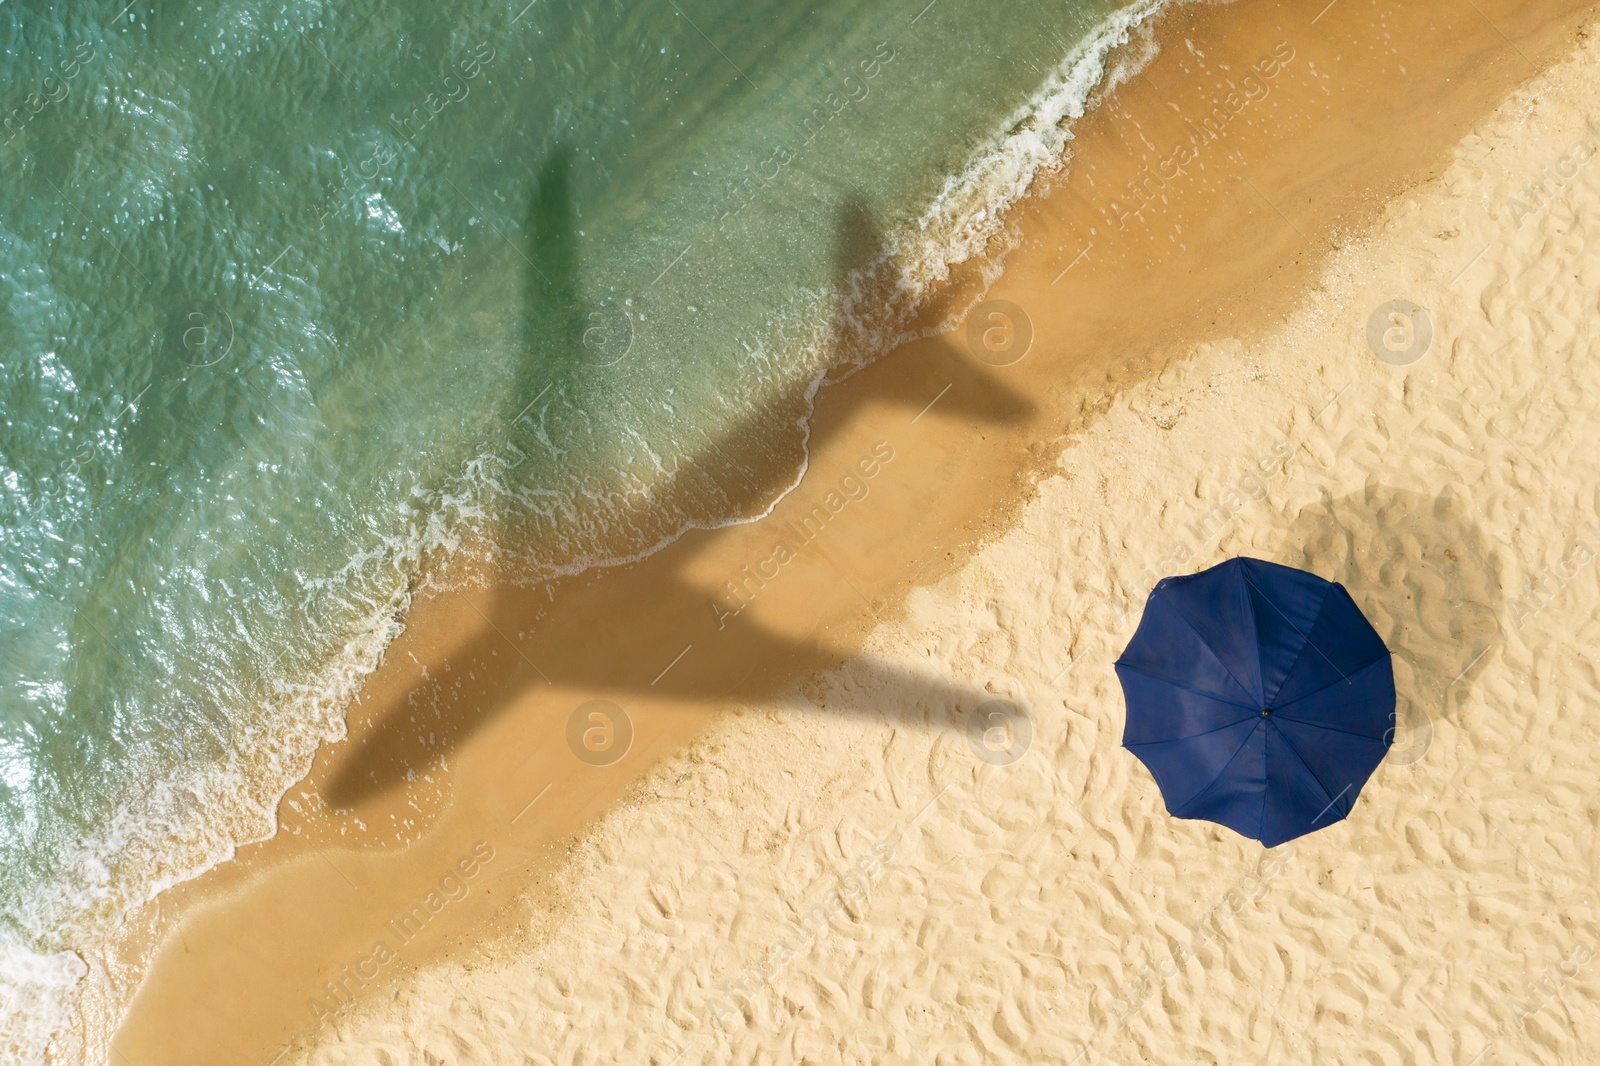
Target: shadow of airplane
571 642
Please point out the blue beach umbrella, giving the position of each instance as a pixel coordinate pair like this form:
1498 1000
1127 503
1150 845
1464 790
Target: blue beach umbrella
1259 697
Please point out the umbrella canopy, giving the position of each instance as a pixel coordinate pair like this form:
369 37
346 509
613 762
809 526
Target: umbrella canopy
1259 697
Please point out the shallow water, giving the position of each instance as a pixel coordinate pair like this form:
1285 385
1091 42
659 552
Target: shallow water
297 302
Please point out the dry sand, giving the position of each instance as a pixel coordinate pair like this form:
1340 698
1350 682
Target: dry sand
833 874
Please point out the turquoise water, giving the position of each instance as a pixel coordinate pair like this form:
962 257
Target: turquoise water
297 301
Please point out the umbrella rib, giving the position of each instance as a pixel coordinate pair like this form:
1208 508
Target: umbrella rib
1309 642
1322 605
1317 692
1198 636
1302 760
1191 736
1255 633
1179 685
1266 785
1213 782
1329 728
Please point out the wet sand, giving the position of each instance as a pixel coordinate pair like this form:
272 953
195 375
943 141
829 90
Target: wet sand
442 827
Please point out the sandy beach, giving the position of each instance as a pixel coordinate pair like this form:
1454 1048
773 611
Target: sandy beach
727 804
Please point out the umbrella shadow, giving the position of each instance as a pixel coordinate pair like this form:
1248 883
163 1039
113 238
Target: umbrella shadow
569 638
1429 582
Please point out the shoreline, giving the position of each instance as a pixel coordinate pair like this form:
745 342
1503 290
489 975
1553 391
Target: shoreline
315 713
857 578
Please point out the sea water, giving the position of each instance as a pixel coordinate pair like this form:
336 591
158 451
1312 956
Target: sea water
299 301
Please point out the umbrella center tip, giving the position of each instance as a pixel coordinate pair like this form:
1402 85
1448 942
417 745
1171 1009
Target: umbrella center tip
1266 712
